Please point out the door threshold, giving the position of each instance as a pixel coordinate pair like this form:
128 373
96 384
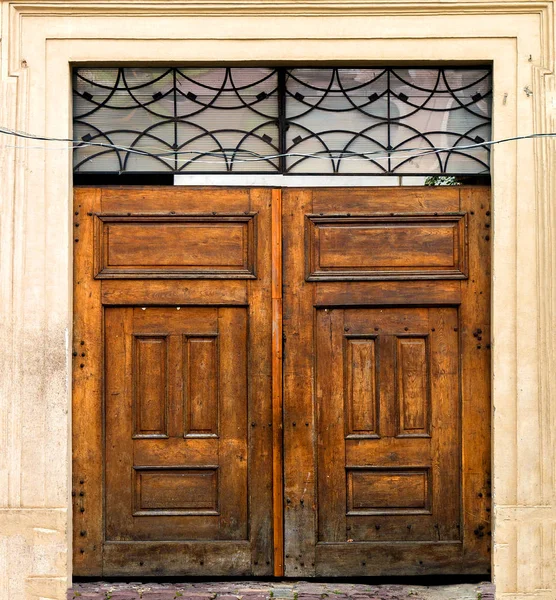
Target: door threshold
429 588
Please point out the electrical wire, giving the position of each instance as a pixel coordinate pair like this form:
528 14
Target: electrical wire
254 157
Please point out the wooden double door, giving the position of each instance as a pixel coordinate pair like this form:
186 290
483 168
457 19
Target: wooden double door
281 382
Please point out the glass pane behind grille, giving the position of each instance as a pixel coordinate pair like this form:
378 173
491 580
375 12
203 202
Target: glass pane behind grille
202 119
379 120
323 120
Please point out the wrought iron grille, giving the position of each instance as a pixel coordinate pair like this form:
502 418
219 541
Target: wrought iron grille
418 120
160 119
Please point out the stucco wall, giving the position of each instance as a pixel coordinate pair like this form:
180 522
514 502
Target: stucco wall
39 42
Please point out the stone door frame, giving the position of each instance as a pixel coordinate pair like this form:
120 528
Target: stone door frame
40 42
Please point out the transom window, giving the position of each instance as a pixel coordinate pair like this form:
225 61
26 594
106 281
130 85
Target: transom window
366 121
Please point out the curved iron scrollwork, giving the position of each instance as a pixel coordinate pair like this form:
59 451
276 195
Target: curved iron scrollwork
300 120
172 119
384 116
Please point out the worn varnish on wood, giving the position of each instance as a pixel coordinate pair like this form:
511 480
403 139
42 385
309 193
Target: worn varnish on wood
175 246
386 381
172 426
235 416
351 248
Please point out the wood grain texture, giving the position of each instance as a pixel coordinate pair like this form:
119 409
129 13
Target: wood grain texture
361 394
150 388
439 509
264 426
260 391
233 443
147 200
383 559
299 418
400 476
413 385
385 201
330 430
175 292
187 372
377 490
387 293
377 247
175 492
277 384
476 369
87 379
198 559
175 247
200 362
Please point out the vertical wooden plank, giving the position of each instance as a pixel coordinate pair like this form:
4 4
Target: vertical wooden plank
233 397
446 419
87 491
299 421
330 426
476 398
260 391
277 405
119 383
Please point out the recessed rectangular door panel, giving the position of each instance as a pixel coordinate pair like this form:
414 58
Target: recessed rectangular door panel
150 386
164 491
157 246
426 247
396 499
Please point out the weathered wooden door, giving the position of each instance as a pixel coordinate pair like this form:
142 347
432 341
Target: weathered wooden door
386 381
172 397
178 416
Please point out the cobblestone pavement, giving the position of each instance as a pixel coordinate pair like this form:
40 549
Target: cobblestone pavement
279 590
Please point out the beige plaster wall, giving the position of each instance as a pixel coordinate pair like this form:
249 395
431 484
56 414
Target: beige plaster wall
39 41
